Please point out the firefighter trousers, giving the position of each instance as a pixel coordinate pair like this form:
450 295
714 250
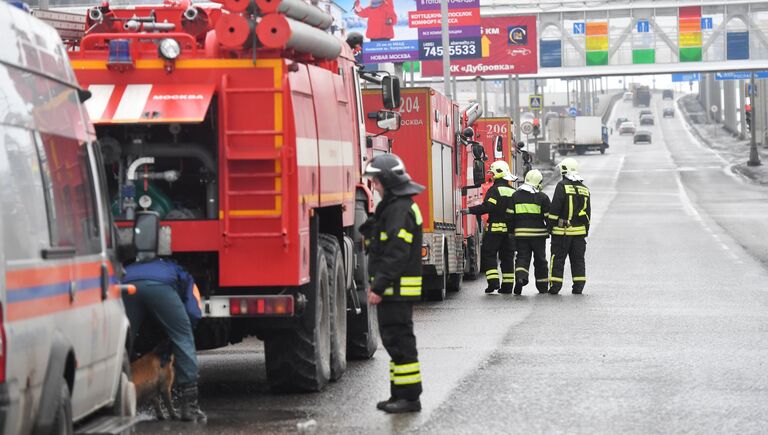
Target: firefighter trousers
573 247
536 247
498 246
396 330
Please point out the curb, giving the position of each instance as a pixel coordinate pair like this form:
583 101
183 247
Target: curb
737 169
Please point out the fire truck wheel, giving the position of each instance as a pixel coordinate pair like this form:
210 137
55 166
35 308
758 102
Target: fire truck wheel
299 359
454 282
338 304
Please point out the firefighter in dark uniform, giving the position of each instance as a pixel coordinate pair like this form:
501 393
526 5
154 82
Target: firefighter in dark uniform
393 236
569 217
498 242
531 207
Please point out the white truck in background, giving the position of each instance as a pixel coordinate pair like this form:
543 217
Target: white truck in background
579 134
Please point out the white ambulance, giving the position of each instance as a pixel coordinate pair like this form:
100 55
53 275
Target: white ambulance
63 330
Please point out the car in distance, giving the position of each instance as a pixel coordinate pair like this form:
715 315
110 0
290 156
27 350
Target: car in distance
628 96
643 136
668 113
668 94
646 120
627 128
620 121
645 112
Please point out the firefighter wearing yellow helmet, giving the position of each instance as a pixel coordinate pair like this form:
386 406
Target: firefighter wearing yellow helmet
498 242
569 217
531 207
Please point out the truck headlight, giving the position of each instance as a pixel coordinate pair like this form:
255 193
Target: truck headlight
169 49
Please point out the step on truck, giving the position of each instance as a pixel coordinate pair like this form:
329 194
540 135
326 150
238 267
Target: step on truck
577 134
429 143
242 126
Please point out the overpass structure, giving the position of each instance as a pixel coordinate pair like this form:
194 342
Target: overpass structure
618 37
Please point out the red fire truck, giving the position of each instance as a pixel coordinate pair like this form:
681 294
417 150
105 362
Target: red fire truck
429 142
243 127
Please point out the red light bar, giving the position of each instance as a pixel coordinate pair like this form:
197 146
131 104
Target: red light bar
258 306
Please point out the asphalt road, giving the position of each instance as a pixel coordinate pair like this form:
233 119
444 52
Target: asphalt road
671 335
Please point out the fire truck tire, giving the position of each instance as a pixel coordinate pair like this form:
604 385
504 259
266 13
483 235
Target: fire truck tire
338 304
454 282
299 359
363 328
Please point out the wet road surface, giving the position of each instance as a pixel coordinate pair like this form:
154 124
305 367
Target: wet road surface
671 335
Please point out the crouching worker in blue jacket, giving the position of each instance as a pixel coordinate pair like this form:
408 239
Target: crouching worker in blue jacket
167 292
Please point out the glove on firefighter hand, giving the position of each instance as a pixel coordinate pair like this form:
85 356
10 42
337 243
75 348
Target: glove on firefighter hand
366 229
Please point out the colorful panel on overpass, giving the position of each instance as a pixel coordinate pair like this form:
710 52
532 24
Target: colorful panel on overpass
689 32
597 43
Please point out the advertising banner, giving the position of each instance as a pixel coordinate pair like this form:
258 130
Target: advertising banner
404 30
508 46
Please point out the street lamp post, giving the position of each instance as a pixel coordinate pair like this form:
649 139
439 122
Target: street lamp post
754 158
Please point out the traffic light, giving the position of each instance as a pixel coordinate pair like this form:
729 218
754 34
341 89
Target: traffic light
536 127
748 116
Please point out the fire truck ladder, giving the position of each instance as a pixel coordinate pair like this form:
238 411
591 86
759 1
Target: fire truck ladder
248 168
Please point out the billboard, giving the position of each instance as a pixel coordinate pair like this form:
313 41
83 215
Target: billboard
408 30
508 46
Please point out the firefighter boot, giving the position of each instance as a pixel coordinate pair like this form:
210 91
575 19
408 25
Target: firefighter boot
555 287
381 405
506 288
190 410
400 406
493 285
542 287
578 288
519 288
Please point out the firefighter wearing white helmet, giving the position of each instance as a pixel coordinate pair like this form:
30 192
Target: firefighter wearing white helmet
569 217
498 242
393 238
531 207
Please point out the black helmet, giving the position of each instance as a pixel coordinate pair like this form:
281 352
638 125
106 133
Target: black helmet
354 40
389 170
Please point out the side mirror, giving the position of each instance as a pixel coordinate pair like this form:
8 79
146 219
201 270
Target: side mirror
387 120
498 148
478 173
146 233
390 92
